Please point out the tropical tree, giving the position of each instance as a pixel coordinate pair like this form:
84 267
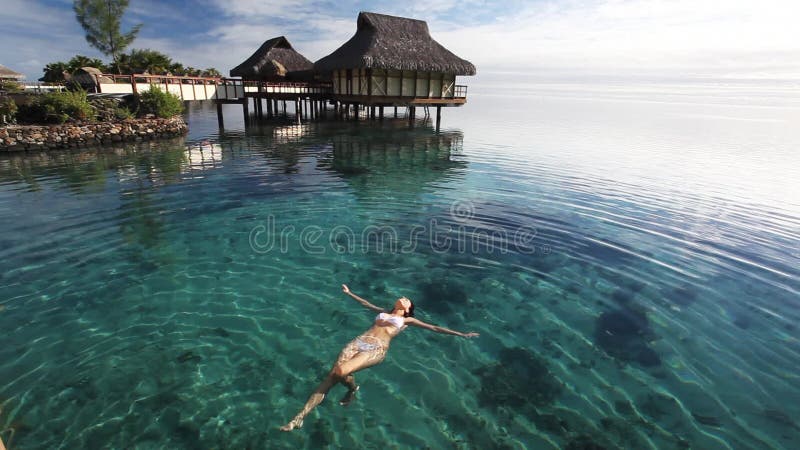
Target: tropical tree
79 61
100 20
211 72
150 61
177 68
54 72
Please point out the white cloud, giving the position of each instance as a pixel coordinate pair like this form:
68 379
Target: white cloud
707 36
733 38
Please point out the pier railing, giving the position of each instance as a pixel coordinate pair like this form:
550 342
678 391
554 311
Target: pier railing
207 88
190 88
300 88
186 87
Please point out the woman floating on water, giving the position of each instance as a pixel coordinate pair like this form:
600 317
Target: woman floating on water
366 351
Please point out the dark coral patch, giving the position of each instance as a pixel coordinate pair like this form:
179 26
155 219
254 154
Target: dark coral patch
584 442
622 296
683 295
624 334
442 296
520 379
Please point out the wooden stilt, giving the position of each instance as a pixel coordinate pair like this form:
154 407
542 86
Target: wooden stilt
246 111
381 113
395 112
438 117
220 120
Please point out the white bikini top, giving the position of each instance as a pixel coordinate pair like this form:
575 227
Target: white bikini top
397 321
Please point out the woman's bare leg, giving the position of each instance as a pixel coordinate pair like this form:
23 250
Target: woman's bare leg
315 399
352 387
350 360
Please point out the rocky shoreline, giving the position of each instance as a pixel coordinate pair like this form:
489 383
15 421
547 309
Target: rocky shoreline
47 137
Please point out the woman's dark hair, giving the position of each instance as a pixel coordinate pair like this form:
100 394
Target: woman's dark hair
410 312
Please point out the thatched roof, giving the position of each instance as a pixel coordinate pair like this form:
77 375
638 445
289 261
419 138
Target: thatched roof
389 42
8 74
88 76
275 58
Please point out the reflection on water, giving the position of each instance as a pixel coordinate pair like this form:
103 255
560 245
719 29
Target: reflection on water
634 285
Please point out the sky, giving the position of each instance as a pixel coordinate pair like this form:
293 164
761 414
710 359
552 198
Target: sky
719 39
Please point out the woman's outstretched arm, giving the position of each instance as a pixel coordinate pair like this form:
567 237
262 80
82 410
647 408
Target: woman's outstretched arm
367 304
438 329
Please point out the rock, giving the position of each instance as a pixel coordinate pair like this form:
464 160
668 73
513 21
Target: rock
80 135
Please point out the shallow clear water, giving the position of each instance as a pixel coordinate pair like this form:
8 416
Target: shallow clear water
630 258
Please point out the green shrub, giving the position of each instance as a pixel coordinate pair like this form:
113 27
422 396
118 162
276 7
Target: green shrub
11 87
162 104
122 113
8 110
110 109
58 107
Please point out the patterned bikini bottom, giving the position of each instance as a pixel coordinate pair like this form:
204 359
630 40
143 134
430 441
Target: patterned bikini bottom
365 344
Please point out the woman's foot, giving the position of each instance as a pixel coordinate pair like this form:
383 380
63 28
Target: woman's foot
295 423
349 396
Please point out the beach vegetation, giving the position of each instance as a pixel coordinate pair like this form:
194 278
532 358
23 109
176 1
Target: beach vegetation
101 20
157 63
133 62
160 103
57 107
8 110
11 87
145 61
112 109
57 72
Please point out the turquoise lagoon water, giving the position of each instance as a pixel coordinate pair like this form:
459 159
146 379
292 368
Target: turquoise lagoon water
628 254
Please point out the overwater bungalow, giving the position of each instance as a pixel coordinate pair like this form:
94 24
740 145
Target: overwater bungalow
390 61
394 61
275 61
8 74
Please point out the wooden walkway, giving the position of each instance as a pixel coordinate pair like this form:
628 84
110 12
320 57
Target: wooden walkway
310 100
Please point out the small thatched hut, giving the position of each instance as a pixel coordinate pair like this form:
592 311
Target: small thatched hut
394 58
275 60
89 78
8 74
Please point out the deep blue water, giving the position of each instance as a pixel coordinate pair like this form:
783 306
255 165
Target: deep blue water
628 254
